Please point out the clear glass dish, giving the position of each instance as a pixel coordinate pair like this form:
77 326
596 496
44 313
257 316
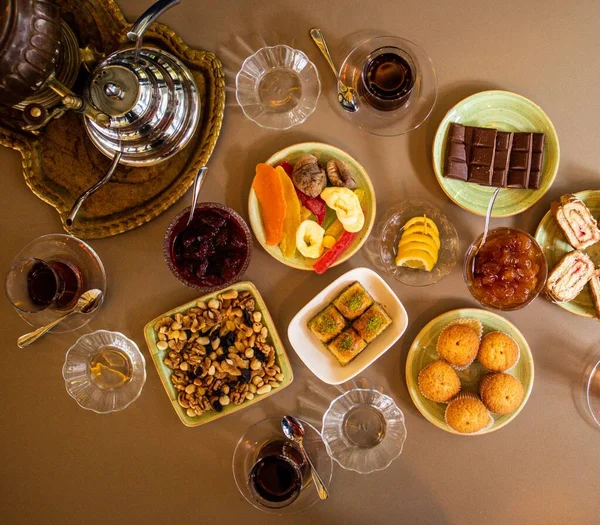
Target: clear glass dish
391 232
178 224
592 392
267 431
468 271
104 371
364 430
278 87
419 104
75 253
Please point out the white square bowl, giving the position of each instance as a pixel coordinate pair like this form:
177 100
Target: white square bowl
313 352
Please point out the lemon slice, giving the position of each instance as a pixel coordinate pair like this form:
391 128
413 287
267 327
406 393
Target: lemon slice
420 229
432 251
420 238
422 220
416 259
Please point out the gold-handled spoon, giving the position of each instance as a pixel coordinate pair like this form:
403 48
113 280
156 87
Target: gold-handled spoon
86 304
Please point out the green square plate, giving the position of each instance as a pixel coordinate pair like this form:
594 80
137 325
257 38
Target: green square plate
323 152
554 245
505 111
423 351
164 372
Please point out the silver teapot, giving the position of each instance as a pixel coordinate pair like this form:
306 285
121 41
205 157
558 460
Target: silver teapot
140 106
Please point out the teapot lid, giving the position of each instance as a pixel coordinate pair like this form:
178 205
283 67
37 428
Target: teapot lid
115 89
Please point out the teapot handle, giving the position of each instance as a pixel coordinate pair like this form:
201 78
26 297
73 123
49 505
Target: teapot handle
136 33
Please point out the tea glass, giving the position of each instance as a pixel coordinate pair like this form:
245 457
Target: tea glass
259 441
55 250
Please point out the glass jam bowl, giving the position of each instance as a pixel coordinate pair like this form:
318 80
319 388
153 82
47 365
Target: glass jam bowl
213 252
508 272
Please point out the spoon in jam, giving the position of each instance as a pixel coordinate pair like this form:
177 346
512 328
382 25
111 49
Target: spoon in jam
486 228
293 429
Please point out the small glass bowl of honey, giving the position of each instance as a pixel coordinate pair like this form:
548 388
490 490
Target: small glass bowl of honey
104 371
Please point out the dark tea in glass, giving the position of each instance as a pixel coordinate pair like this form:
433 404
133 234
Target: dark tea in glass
388 78
276 477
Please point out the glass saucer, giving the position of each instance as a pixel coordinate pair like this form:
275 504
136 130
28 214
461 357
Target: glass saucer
73 251
269 430
592 392
278 87
104 371
391 233
364 430
420 103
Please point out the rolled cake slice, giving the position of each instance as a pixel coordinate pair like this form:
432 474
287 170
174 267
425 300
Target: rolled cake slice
569 276
576 221
595 291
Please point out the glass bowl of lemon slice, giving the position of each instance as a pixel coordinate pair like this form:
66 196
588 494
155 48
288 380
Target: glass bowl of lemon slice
418 244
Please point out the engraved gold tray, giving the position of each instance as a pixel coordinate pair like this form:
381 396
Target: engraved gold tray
61 162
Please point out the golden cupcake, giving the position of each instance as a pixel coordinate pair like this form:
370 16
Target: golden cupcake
501 393
458 344
498 352
467 414
439 382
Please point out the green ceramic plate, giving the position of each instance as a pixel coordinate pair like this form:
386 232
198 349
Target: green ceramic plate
505 111
553 243
324 152
164 372
422 352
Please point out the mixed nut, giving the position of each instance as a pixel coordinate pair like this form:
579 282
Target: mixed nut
218 353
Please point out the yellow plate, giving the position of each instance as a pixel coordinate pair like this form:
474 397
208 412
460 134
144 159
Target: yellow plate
422 352
323 152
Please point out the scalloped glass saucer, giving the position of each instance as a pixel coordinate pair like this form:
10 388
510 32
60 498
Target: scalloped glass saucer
104 371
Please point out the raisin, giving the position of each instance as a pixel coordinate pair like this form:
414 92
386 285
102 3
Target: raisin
229 339
217 406
247 318
246 375
260 356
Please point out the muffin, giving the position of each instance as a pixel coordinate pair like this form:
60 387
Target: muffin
458 344
501 393
439 382
327 324
467 414
346 346
353 301
473 323
498 352
370 324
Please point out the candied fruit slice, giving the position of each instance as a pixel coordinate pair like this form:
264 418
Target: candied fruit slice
269 191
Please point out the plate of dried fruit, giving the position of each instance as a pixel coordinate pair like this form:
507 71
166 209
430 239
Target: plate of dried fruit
311 206
218 354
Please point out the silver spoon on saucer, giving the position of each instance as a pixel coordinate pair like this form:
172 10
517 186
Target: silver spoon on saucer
86 304
293 430
347 96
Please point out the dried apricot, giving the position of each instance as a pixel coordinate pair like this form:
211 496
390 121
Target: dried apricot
269 191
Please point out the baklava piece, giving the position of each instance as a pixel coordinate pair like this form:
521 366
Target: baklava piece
346 346
353 301
327 324
370 324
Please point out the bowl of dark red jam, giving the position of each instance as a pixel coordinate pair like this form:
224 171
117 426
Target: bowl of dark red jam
508 272
213 252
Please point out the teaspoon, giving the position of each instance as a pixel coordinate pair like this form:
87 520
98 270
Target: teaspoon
86 304
293 429
486 228
347 96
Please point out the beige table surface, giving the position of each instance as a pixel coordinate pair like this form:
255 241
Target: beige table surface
64 465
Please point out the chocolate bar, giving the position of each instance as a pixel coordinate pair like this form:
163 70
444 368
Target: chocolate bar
520 161
537 153
494 158
470 155
504 141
